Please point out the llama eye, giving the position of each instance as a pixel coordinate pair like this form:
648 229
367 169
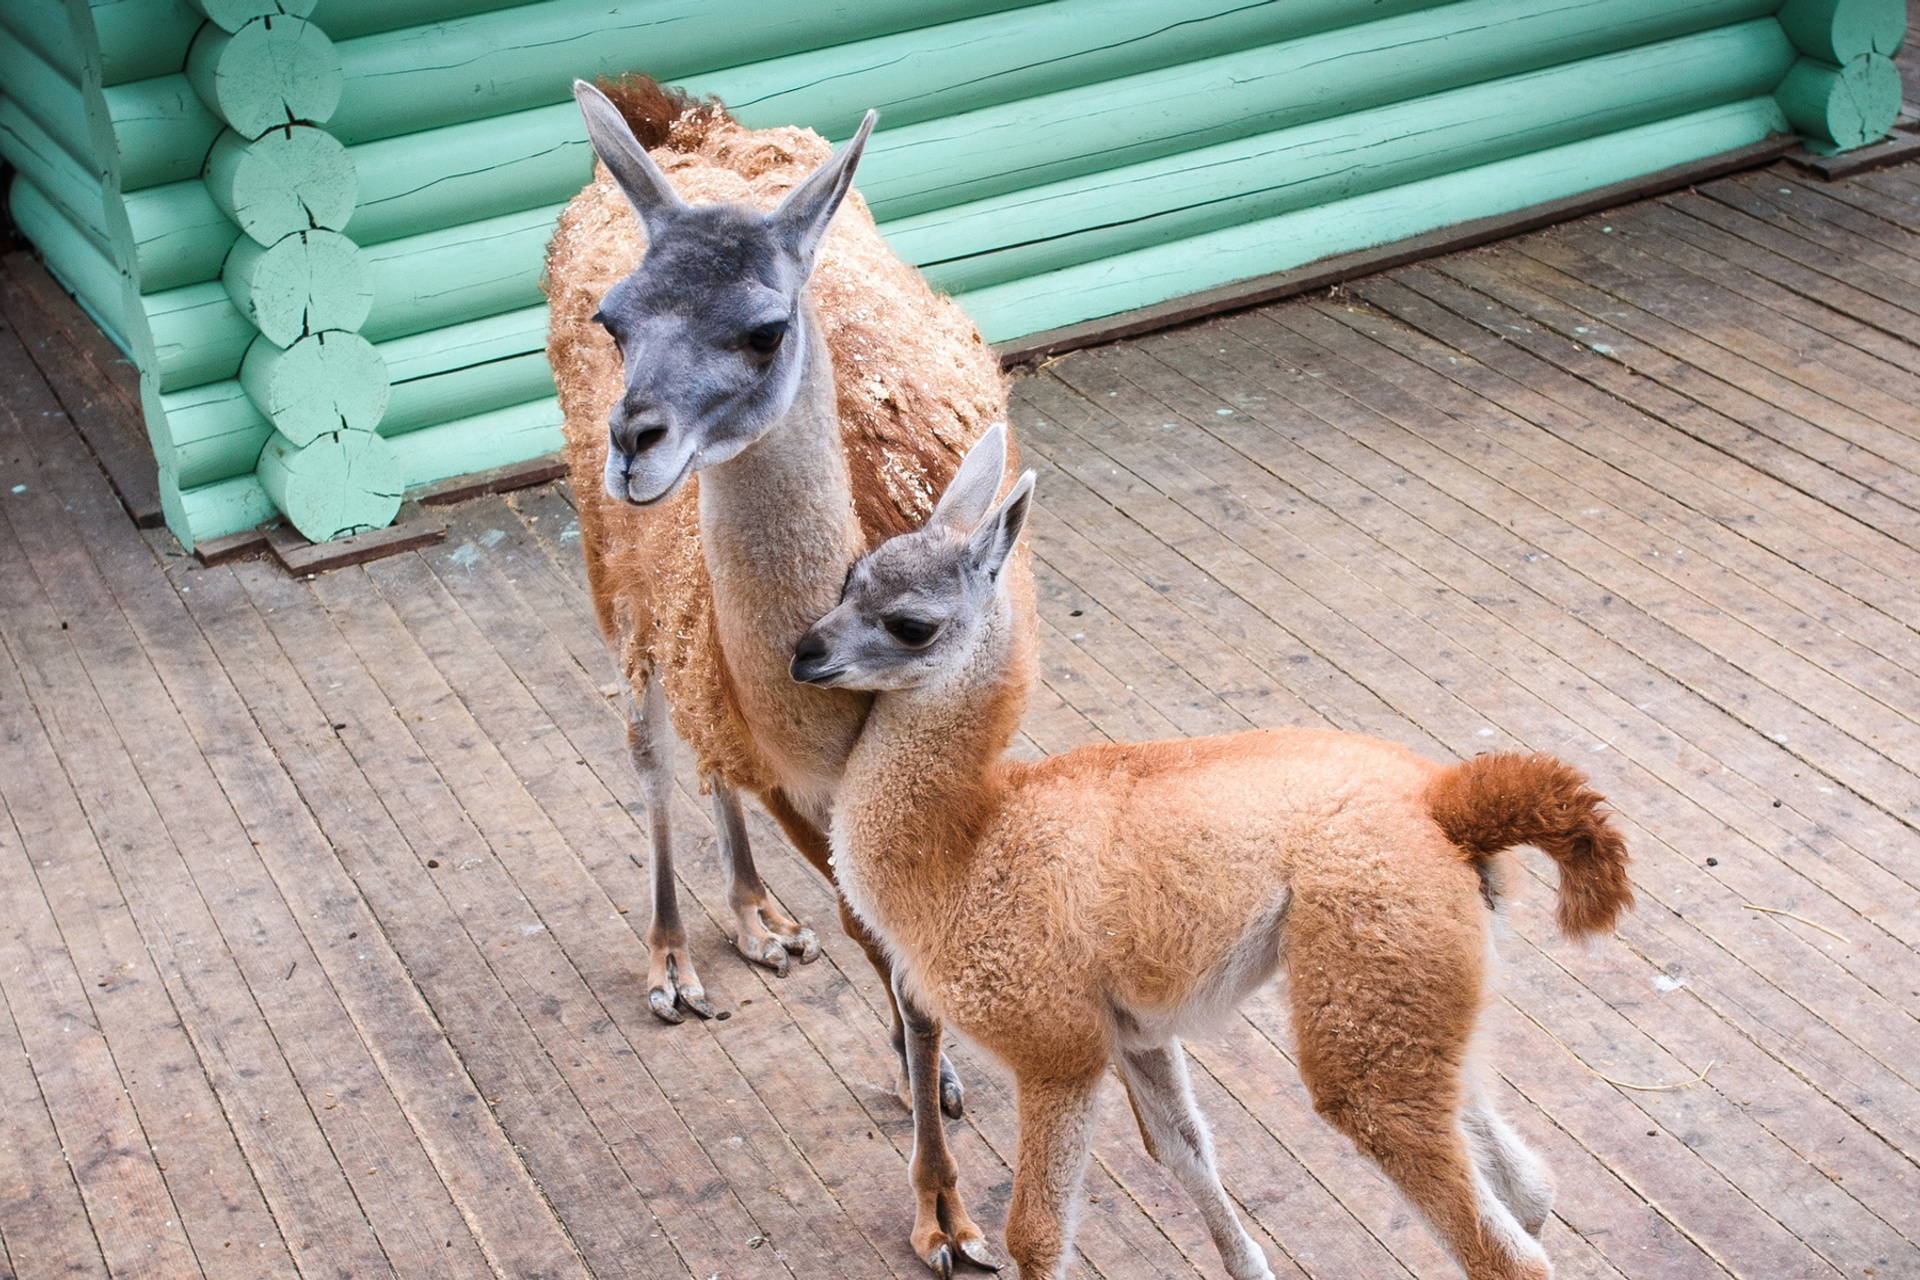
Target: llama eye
766 339
912 632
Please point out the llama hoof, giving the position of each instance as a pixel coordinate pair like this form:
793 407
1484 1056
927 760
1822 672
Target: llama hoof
669 992
981 1254
804 945
953 1097
766 951
941 1262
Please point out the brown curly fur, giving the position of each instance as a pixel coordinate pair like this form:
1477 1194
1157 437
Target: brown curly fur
915 386
1494 802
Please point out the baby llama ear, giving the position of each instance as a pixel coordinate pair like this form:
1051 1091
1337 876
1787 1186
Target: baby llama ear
990 545
645 187
802 217
970 493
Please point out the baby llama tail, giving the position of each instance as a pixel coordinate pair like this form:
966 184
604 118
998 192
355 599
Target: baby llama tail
1495 801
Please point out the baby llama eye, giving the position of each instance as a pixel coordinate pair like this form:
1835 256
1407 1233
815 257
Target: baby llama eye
912 632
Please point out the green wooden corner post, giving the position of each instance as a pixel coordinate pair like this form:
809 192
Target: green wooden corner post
344 482
1844 92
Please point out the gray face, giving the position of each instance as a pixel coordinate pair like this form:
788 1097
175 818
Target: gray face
912 609
709 325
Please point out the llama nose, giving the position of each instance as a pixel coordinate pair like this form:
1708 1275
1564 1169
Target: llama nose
808 658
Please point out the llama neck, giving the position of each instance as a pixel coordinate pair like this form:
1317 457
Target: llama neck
922 783
778 530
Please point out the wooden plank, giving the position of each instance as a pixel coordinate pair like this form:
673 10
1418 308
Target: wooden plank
1741 388
262 623
134 1222
519 475
90 386
1352 266
301 558
1896 148
1751 219
1764 279
271 1035
1795 345
43 1218
394 1042
235 546
498 850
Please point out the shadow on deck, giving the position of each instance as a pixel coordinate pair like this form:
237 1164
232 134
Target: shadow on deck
321 900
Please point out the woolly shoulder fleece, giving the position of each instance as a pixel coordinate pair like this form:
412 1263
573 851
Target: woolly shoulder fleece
915 385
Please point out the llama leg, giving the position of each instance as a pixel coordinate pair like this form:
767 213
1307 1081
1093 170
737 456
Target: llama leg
1163 1103
1383 1050
941 1221
1516 1175
672 981
952 1096
1056 1133
766 935
806 837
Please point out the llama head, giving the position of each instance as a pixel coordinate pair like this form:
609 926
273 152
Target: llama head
913 609
709 324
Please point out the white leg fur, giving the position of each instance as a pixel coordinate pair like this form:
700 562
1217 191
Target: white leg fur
1514 1174
1163 1096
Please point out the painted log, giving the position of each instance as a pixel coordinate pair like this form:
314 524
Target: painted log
272 72
459 393
214 432
52 100
437 178
1842 107
1062 135
1838 31
342 483
140 39
1117 211
981 62
70 255
1154 274
479 443
322 383
198 335
466 369
232 15
286 180
180 236
214 510
311 280
163 130
44 27
461 346
347 19
423 181
528 56
289 180
441 178
32 150
462 273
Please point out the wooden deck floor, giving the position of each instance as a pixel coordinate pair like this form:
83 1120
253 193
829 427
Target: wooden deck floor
321 901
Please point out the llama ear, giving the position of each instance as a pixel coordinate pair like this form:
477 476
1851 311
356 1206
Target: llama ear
645 187
991 544
801 220
970 493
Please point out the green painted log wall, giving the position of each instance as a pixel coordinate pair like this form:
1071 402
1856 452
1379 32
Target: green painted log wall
1047 161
